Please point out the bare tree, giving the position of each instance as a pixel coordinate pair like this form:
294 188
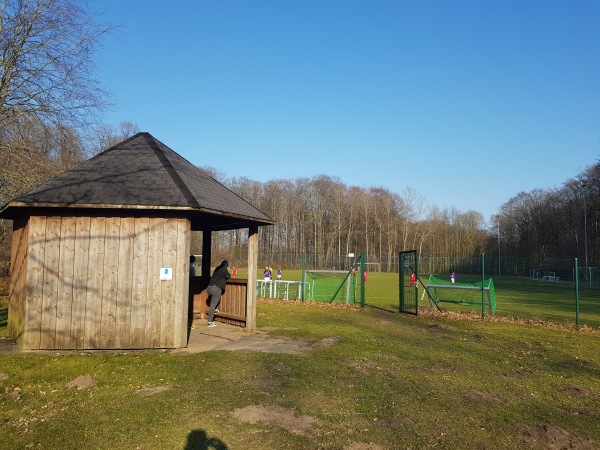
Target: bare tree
46 62
105 136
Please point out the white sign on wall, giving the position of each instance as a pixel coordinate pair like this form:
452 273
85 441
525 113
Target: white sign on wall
166 273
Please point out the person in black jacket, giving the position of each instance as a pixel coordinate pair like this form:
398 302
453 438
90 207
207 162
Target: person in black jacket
216 288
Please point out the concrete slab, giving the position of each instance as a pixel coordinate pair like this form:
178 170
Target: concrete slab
203 339
232 338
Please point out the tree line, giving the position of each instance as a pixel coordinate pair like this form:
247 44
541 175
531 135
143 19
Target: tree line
325 218
50 104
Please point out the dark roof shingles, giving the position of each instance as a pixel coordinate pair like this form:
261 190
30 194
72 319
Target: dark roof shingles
140 171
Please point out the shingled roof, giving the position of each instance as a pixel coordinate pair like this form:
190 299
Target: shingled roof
141 173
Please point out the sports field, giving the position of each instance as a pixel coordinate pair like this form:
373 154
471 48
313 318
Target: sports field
519 298
366 379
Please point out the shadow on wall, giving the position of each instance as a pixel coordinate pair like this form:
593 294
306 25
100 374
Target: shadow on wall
197 440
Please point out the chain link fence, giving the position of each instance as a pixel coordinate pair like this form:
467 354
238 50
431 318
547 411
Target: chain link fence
313 283
557 291
553 290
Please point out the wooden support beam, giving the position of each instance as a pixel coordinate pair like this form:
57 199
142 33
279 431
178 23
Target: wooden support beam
252 274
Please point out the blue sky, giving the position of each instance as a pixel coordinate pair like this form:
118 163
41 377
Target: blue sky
467 102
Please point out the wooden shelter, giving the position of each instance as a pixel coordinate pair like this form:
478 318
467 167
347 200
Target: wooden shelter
100 254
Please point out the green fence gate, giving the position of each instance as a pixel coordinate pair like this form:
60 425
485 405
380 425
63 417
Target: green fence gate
409 279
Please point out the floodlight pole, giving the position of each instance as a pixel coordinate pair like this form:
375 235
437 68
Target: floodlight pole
498 244
585 243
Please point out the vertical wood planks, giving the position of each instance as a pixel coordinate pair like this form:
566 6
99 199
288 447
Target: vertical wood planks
153 298
64 298
94 298
109 282
35 281
94 282
80 281
182 284
139 271
124 283
169 255
50 289
17 310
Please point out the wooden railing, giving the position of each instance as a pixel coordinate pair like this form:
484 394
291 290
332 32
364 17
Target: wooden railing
232 308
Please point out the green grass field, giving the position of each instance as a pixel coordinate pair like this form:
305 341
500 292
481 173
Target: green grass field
383 381
519 298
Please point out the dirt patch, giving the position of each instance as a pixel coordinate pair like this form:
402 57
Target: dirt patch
13 393
8 346
577 391
477 317
276 415
477 396
309 303
435 328
552 437
82 382
576 364
399 422
148 391
327 342
279 367
584 412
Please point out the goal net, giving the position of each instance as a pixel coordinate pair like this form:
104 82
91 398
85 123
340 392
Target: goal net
332 286
589 276
462 294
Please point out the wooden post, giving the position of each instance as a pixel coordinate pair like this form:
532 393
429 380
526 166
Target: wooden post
206 255
252 273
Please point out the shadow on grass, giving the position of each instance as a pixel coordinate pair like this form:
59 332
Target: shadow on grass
380 308
198 440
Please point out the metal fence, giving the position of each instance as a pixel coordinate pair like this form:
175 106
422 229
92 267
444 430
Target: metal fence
556 291
345 286
559 291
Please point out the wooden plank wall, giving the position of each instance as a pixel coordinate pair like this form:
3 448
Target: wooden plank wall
94 282
34 279
18 270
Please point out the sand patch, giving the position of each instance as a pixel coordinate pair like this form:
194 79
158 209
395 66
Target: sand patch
148 391
477 396
276 415
552 437
82 382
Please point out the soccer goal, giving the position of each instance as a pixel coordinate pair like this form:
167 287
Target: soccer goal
467 294
340 286
331 286
589 275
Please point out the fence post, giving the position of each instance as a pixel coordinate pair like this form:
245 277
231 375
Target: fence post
362 279
303 274
576 293
482 284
